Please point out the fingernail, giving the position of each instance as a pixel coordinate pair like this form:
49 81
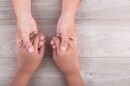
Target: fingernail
63 48
41 43
53 46
31 49
52 42
42 37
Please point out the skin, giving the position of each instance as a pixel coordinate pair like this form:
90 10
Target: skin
67 62
26 25
28 62
66 23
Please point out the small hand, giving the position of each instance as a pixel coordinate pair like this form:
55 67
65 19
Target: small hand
67 61
29 62
66 29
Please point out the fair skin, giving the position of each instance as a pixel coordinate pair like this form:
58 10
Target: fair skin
66 23
26 25
66 61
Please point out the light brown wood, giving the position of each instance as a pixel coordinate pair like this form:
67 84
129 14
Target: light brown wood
95 72
97 38
103 28
88 9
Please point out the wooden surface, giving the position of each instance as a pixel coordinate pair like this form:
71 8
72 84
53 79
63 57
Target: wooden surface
104 42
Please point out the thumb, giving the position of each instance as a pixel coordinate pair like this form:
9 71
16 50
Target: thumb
42 50
64 43
27 43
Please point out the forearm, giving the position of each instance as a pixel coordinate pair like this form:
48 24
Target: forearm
74 79
21 79
22 8
69 8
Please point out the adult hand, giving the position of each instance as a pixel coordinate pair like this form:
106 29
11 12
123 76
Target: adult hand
66 29
25 29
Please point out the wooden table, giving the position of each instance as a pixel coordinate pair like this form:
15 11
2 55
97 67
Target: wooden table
103 28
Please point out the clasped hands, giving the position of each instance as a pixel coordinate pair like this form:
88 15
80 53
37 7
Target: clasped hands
67 61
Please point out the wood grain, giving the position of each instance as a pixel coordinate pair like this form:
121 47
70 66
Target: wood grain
89 9
95 72
96 38
103 28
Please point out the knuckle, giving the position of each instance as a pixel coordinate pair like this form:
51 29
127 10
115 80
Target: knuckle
64 42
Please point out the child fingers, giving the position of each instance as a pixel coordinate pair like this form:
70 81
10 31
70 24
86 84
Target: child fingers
58 35
41 43
57 43
41 40
54 52
42 37
42 50
36 42
52 43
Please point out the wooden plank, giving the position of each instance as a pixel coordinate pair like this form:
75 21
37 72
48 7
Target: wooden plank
96 38
104 38
105 71
95 72
88 9
104 42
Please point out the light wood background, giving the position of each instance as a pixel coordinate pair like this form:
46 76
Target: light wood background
103 28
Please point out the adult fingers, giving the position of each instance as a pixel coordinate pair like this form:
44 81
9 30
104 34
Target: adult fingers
71 44
20 44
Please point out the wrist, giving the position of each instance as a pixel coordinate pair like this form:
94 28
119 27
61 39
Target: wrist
24 18
75 79
21 78
26 22
65 20
72 73
67 17
25 72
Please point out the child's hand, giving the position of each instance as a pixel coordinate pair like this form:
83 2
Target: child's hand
67 60
29 62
